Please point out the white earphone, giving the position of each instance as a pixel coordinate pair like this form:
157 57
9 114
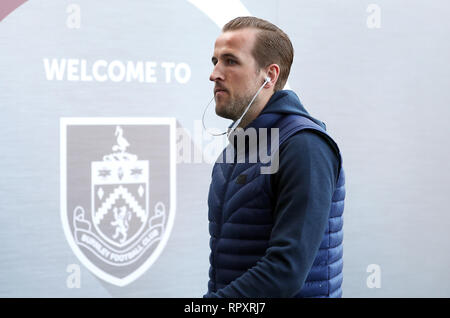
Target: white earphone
266 80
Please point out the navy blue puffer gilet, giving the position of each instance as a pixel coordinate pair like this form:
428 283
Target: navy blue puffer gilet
241 218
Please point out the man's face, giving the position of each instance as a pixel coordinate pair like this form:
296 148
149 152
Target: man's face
236 74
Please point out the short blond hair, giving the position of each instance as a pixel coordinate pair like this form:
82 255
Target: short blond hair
272 45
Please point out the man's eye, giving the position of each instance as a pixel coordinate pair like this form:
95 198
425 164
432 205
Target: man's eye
231 62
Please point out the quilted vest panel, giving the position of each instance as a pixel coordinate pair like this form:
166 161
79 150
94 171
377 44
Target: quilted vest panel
241 219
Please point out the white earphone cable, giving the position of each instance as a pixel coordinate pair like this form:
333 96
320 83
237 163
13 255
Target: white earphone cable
229 131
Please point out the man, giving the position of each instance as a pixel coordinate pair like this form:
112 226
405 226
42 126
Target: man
279 234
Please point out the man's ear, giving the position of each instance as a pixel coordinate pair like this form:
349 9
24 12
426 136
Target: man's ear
273 71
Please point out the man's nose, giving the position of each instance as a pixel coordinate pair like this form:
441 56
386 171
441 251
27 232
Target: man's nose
216 74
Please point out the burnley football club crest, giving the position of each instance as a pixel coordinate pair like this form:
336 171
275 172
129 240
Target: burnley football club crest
117 192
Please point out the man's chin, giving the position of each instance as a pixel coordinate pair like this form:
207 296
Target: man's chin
222 112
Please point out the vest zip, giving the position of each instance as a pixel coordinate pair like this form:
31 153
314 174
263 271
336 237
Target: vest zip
220 224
